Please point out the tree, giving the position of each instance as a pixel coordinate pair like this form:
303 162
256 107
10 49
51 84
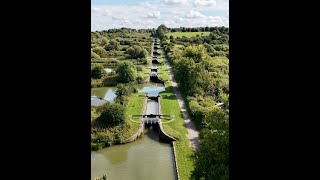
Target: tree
126 72
162 29
94 55
98 72
100 51
197 53
212 160
123 90
112 114
113 45
136 52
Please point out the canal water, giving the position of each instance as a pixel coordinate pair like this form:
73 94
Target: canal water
108 93
143 159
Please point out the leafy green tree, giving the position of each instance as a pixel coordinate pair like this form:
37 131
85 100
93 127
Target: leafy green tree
123 90
212 160
137 52
127 72
112 114
98 72
161 31
94 55
197 53
113 45
100 51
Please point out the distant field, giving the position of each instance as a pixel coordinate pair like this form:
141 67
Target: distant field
187 34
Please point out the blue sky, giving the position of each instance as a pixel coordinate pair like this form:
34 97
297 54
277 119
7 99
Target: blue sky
107 14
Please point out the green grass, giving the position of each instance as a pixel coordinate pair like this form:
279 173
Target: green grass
135 106
187 34
163 70
177 129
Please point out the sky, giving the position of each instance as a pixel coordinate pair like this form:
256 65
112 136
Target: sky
143 14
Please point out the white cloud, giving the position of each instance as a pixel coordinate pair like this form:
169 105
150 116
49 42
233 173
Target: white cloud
194 14
94 9
171 2
204 2
151 15
155 14
119 18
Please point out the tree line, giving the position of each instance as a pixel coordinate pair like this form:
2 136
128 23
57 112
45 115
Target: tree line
203 79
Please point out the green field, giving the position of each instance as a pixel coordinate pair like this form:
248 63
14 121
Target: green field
186 34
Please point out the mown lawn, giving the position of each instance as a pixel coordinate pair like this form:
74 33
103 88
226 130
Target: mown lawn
187 34
177 129
135 106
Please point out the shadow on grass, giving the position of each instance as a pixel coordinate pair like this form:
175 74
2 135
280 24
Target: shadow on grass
171 97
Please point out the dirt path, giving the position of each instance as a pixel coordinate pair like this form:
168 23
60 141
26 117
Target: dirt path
193 134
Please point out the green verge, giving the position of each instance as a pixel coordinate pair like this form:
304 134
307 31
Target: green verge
163 70
177 129
135 106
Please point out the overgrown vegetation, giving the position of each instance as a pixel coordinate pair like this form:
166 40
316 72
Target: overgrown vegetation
116 47
110 123
201 68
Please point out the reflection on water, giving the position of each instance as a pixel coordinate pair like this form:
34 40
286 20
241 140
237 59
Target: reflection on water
108 70
108 93
152 89
152 107
144 159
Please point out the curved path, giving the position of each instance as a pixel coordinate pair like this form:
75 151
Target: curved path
193 134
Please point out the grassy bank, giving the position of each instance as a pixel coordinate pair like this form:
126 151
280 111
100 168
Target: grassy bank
177 129
163 70
186 34
135 106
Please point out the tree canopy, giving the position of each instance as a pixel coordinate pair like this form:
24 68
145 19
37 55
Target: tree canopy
100 51
136 52
112 114
127 72
98 72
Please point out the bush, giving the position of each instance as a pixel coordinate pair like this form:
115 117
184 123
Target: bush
100 51
96 146
98 72
112 114
140 79
139 68
136 52
94 55
113 45
127 72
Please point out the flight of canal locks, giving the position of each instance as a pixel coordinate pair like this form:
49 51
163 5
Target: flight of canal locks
149 153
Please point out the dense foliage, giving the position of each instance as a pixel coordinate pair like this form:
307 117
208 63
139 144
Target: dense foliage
127 72
136 52
112 114
97 72
213 156
112 47
201 68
